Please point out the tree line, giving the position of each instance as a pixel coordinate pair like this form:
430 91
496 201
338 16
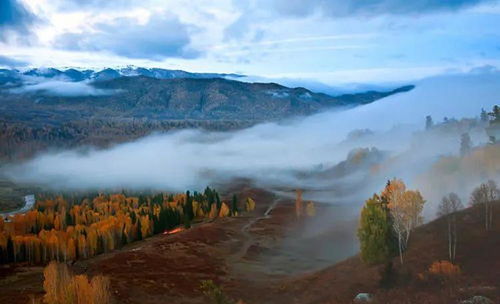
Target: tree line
387 219
67 228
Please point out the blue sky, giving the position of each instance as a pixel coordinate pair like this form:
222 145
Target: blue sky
331 41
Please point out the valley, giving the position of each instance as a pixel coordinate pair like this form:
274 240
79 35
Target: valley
249 258
249 152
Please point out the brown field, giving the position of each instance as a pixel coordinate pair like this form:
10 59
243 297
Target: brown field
276 259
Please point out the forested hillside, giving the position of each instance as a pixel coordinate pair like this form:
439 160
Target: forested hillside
116 109
71 227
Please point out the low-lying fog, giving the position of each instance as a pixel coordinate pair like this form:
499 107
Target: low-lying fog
286 155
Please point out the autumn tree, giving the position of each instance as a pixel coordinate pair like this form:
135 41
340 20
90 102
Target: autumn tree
65 228
101 290
249 204
61 287
484 195
405 208
57 279
310 209
449 205
298 203
224 210
213 211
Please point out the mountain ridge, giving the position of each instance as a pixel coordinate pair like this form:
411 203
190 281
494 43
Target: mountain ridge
36 116
144 97
16 77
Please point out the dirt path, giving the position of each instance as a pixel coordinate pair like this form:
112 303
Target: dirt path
249 239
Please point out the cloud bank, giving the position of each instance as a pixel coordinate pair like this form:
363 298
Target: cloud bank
162 36
270 153
61 88
339 8
14 17
11 62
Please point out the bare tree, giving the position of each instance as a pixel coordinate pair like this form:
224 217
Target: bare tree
485 194
449 205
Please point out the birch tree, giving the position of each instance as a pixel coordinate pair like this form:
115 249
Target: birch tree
485 194
393 193
449 205
405 208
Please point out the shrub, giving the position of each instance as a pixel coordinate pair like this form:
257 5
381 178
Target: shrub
214 293
444 269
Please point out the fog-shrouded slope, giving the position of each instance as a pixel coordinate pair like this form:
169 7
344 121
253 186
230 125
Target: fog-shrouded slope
269 152
412 282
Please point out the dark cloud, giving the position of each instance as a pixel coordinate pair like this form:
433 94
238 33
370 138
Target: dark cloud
11 62
271 10
342 8
161 37
14 17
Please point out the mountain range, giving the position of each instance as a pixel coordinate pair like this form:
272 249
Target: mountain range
45 108
16 77
158 94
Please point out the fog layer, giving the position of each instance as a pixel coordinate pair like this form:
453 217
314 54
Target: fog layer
271 154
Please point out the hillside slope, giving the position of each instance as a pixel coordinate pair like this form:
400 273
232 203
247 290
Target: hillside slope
245 255
141 97
34 117
478 256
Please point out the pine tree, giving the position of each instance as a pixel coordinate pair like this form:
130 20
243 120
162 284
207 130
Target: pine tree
139 230
234 206
188 206
428 122
187 221
495 113
375 232
217 200
465 144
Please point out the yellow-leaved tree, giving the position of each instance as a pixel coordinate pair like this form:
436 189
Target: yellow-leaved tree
61 287
250 204
405 208
310 209
224 210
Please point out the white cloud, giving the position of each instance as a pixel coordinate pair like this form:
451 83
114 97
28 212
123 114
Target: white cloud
61 88
269 152
253 38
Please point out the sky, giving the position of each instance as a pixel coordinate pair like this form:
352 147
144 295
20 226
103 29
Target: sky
330 41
